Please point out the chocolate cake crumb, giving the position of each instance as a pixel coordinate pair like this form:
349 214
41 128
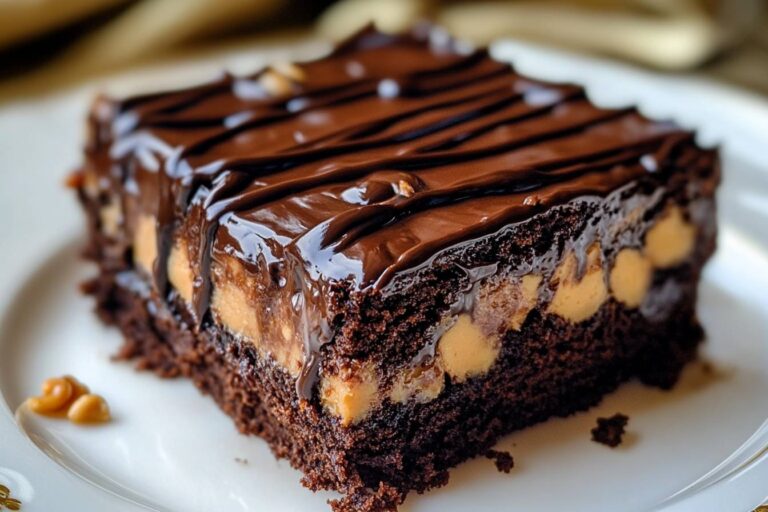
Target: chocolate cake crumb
503 460
385 499
609 431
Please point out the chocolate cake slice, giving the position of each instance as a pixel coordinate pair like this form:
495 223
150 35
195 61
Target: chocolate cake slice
383 260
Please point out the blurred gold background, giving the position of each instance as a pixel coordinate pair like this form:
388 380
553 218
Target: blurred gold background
46 45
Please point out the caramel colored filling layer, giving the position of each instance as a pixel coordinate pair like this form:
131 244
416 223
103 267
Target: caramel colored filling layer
110 216
631 277
671 239
504 304
423 383
467 349
577 299
236 306
180 272
351 394
145 243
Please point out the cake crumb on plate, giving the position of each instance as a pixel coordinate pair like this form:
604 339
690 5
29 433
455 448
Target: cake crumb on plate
609 431
503 460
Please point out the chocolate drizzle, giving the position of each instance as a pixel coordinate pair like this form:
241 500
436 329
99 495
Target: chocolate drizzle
391 149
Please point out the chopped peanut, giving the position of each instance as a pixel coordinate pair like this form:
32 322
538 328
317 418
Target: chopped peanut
67 395
406 189
57 395
89 408
290 70
276 84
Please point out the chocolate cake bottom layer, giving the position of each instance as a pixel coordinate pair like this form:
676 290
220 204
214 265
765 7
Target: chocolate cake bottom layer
377 462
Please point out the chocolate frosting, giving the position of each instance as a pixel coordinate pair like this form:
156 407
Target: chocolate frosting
386 152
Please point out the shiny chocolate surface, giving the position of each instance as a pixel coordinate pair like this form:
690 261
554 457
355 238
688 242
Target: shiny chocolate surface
364 164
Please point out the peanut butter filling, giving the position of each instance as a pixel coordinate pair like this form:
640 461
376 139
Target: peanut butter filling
505 303
631 277
529 295
671 239
352 394
578 299
232 308
145 243
110 216
180 272
234 305
423 383
465 351
468 349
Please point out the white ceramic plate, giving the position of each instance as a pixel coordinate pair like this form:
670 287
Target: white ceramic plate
701 447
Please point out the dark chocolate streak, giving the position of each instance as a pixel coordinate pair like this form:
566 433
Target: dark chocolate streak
392 149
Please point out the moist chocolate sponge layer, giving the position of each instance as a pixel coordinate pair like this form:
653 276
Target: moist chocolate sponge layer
538 377
549 368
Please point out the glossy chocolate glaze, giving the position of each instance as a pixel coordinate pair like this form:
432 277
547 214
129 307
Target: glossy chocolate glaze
386 152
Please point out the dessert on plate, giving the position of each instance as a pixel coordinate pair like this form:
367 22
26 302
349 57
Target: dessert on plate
383 260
